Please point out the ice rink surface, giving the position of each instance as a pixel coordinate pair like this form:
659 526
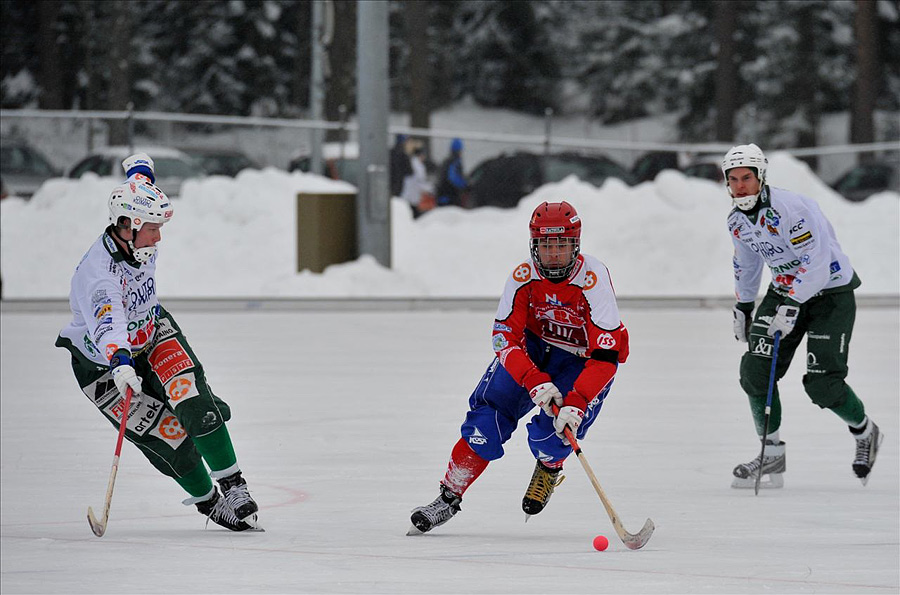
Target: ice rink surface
343 422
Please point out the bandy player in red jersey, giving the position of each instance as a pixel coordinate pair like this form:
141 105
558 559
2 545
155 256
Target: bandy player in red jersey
558 339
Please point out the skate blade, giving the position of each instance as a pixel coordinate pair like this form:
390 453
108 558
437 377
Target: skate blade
413 530
254 523
769 481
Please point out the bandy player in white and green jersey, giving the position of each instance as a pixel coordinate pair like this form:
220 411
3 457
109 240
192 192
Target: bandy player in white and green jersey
811 293
120 337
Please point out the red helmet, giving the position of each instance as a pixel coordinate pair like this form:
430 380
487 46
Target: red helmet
555 239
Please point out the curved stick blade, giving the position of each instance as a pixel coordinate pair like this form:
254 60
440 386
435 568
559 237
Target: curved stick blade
640 539
96 526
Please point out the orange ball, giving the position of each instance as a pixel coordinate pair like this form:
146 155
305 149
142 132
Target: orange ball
601 543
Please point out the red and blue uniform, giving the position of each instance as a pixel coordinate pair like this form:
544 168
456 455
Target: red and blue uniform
568 332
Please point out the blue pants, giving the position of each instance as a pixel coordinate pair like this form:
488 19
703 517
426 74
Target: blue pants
498 403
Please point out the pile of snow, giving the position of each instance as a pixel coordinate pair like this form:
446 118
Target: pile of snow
237 238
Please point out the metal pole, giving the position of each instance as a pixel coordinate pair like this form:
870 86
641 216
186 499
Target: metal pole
373 95
548 123
130 126
317 84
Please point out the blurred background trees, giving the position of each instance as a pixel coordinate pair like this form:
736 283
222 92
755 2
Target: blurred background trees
720 66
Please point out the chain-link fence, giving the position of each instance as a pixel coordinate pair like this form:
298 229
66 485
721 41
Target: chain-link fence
68 136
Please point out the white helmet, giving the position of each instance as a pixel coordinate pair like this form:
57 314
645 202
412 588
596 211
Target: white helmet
139 163
746 156
141 202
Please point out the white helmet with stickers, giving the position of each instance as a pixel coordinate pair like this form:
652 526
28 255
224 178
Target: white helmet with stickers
746 156
141 202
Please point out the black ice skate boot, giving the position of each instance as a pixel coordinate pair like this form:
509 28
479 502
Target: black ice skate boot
237 495
426 518
773 465
217 510
868 440
543 481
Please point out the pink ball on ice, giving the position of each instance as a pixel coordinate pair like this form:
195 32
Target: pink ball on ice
601 543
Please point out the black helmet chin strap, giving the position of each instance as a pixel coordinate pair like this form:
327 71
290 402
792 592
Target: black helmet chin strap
128 243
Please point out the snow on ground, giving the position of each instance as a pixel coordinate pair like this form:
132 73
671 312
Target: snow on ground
237 238
343 422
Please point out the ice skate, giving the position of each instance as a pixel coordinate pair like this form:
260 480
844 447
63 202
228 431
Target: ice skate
217 510
867 443
773 466
426 518
543 481
237 496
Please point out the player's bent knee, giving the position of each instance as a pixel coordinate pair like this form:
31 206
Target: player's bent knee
755 374
199 418
486 448
826 391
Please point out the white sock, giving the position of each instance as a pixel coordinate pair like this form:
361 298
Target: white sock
862 424
866 432
773 437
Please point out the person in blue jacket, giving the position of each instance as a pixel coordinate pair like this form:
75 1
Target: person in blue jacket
452 185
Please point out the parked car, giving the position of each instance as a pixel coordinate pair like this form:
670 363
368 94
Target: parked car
341 161
867 179
220 162
172 166
23 169
708 167
647 167
502 181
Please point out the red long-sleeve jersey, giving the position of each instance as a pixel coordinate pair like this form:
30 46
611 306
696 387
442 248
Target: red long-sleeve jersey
579 315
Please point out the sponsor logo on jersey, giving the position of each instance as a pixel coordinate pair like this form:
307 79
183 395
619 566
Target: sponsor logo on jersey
797 226
477 437
145 416
784 280
103 311
499 342
766 249
812 364
102 391
763 347
522 272
164 329
552 300
140 332
561 326
110 245
111 349
770 220
89 346
141 295
801 239
590 280
605 341
181 388
814 336
502 327
170 429
168 359
834 267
